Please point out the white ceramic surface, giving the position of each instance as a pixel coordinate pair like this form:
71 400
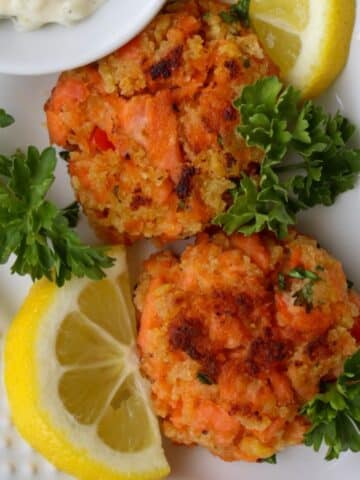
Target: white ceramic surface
337 228
55 47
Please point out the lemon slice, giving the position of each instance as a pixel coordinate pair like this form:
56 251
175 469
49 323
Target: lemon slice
308 39
73 381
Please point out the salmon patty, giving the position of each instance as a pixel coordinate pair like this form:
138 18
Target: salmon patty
151 128
237 335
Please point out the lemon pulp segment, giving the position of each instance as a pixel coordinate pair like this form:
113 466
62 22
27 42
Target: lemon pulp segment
308 39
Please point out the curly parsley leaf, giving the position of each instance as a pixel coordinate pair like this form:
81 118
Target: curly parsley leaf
335 414
34 229
237 12
254 209
275 120
5 119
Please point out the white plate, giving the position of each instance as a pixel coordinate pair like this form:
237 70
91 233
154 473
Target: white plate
56 47
337 228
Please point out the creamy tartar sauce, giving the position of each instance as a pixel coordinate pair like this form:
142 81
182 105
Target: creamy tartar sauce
32 14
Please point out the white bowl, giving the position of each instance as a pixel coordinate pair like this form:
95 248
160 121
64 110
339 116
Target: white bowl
55 47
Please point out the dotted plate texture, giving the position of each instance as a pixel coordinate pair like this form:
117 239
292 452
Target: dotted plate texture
17 459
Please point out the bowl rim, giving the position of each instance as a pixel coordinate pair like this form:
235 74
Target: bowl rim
119 40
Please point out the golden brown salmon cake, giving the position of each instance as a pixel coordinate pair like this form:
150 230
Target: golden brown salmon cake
237 334
151 127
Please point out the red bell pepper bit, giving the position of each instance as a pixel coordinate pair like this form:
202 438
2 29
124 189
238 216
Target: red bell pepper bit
100 140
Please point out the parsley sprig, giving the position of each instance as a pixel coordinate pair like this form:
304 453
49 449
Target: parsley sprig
335 414
275 120
33 228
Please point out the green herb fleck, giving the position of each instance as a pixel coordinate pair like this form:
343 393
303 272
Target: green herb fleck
204 378
220 140
247 63
272 460
335 413
302 274
320 268
281 281
304 297
65 155
239 12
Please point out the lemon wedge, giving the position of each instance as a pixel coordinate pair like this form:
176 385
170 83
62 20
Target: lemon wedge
73 381
308 39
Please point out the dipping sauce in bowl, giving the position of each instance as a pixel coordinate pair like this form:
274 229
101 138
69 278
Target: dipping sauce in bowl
106 26
32 14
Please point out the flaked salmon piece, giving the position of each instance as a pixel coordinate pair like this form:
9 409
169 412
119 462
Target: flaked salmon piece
151 121
254 248
70 91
